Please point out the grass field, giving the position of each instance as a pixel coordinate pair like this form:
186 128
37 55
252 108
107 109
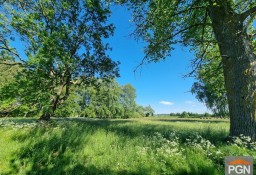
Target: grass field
132 146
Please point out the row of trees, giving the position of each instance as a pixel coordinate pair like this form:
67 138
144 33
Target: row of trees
105 99
102 98
185 114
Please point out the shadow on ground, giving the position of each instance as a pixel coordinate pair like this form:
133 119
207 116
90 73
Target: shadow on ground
193 120
135 128
53 151
51 147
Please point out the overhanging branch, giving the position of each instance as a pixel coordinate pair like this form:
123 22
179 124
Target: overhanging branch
10 50
248 13
187 10
12 64
166 39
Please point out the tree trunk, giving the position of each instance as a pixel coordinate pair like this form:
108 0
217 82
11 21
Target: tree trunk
55 103
239 63
45 117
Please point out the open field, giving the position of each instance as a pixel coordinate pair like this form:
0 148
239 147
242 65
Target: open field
133 146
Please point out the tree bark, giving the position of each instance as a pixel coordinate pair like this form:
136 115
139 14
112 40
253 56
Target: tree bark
239 63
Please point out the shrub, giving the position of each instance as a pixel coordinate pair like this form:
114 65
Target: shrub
184 115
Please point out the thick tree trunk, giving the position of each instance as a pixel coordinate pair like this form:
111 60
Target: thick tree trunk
239 70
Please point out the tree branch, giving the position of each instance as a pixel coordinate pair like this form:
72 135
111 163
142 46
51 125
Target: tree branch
248 13
10 50
250 21
205 20
196 64
165 39
11 64
186 10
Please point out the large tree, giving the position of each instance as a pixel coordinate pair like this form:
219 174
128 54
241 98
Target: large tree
110 100
127 100
62 46
201 24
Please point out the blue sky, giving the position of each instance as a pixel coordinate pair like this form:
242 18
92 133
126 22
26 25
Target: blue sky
160 85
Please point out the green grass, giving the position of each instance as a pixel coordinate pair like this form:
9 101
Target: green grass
133 146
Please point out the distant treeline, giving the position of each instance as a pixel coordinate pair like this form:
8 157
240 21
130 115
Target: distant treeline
192 115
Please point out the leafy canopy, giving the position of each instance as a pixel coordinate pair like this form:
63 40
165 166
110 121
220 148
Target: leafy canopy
164 23
63 46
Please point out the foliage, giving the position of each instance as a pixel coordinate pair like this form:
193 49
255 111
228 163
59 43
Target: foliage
107 99
162 24
65 68
210 87
127 99
101 100
7 74
70 107
184 115
148 111
192 115
63 48
243 142
8 105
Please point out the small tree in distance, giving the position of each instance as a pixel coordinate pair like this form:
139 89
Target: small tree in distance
184 115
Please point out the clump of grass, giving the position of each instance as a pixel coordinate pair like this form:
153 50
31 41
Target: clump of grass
77 146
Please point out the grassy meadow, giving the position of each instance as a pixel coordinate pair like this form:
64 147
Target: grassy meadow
121 146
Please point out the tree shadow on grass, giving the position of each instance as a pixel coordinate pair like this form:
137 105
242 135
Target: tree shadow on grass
133 128
193 120
44 151
52 148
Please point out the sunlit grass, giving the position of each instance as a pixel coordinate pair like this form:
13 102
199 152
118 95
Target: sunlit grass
134 146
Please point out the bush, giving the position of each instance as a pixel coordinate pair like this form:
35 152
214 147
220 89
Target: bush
207 115
184 115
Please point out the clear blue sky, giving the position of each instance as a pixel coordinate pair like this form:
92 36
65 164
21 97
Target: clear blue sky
160 85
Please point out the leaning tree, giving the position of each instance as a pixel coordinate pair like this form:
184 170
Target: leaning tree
59 44
201 25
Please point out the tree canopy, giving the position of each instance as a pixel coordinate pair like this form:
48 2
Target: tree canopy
63 46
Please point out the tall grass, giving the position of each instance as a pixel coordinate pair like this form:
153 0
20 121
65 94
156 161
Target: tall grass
141 146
